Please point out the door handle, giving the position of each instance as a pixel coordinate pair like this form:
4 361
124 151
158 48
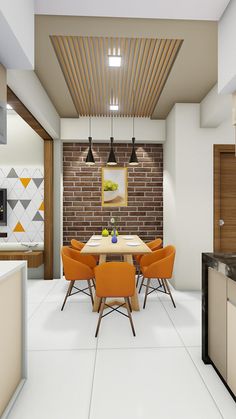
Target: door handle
221 223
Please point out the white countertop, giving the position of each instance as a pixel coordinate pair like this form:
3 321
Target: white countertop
10 266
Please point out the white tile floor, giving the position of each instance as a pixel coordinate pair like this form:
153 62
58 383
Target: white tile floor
158 374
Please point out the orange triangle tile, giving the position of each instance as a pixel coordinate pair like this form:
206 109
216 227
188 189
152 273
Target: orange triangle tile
19 228
41 208
25 181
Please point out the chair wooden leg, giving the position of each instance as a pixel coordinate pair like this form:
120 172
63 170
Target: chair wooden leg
68 293
100 315
90 290
141 286
94 283
129 314
169 292
164 286
146 293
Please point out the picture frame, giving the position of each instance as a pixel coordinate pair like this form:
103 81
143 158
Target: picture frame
114 187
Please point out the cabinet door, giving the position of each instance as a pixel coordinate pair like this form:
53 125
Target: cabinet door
217 312
231 346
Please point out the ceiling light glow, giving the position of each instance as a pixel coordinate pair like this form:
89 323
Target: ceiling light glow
9 107
114 107
114 60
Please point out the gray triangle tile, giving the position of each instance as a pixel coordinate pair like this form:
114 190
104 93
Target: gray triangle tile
12 174
25 202
12 202
38 217
37 181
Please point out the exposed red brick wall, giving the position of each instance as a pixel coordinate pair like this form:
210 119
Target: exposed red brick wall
83 214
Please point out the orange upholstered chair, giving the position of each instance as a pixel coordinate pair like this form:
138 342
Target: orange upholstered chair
153 245
158 265
115 279
77 245
77 267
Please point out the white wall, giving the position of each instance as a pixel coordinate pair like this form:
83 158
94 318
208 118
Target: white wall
214 109
26 85
226 50
24 146
17 30
146 129
188 189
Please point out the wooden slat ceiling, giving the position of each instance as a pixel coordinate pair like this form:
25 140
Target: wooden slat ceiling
135 86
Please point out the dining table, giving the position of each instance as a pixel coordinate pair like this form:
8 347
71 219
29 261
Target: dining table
127 246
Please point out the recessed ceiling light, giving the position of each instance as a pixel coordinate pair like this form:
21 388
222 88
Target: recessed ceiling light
114 107
9 107
114 60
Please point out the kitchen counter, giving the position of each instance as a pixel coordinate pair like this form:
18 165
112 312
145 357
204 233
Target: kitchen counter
219 315
13 364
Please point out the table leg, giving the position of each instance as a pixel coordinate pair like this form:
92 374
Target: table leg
134 299
102 259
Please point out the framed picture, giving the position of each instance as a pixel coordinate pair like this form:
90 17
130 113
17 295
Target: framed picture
114 187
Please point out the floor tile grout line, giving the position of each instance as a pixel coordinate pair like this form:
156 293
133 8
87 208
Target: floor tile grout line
197 370
39 304
93 378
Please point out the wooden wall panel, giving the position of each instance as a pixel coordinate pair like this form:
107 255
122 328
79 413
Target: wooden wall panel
48 210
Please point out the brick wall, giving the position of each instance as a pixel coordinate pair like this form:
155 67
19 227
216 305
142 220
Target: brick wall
83 214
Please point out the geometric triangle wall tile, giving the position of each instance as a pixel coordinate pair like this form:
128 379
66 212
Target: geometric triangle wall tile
12 174
12 202
25 181
41 208
38 217
19 228
37 181
25 202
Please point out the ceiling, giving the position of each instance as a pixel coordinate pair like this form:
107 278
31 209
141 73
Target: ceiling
135 87
155 9
193 73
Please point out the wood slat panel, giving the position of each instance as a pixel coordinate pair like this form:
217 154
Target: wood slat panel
146 65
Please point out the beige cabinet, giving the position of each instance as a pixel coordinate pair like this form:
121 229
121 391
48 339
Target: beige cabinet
231 336
217 320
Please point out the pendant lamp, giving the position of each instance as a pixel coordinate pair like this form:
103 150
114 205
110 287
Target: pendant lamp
133 161
112 158
90 159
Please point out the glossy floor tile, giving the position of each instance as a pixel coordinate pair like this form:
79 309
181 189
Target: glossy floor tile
153 328
59 386
186 318
149 383
157 374
73 328
225 402
58 292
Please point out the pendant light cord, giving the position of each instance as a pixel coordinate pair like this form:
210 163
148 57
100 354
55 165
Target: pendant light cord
90 112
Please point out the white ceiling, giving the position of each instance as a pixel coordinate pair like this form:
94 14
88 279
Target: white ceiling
155 9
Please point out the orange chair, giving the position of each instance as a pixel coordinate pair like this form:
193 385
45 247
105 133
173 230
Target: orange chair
77 267
77 245
158 265
153 245
115 279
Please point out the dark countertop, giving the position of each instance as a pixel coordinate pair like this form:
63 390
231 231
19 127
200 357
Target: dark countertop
222 262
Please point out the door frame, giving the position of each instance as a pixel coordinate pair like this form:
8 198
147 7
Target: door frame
29 118
218 149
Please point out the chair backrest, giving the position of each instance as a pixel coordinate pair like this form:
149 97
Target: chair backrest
155 244
76 244
115 279
74 264
162 263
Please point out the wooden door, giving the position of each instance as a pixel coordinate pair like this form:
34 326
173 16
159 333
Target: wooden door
225 200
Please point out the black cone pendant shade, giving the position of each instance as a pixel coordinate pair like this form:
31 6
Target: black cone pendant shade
112 158
133 161
90 159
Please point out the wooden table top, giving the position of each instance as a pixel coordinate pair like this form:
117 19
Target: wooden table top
106 247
